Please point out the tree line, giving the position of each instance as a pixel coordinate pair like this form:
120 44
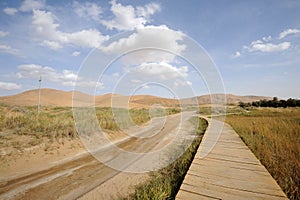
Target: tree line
275 103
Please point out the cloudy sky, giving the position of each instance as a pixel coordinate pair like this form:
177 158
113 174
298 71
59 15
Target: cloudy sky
255 45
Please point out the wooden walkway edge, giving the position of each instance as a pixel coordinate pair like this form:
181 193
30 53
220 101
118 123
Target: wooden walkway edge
229 171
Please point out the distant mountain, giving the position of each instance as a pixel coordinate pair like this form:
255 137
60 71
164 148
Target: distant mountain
230 99
52 97
49 97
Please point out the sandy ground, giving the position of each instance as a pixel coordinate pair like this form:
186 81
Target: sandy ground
120 186
42 157
67 171
39 162
38 157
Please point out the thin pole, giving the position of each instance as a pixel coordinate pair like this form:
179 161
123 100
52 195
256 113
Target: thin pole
39 100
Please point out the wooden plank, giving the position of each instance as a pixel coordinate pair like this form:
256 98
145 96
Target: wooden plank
227 171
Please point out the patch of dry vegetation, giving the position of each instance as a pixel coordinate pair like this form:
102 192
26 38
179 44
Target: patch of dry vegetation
22 127
273 134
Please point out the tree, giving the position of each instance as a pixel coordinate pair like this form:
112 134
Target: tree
256 103
274 103
282 103
291 102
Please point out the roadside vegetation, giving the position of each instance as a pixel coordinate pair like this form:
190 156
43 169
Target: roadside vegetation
219 110
275 103
273 134
22 127
108 117
165 183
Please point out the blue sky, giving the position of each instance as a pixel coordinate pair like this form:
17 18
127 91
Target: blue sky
254 44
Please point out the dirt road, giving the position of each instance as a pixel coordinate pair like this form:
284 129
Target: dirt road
74 177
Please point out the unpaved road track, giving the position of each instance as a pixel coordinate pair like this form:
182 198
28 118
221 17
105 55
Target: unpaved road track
72 178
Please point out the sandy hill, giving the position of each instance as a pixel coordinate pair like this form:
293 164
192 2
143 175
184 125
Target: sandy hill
52 97
230 99
137 101
152 100
49 97
114 100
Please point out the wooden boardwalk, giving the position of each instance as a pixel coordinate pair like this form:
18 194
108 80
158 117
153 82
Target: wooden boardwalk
229 171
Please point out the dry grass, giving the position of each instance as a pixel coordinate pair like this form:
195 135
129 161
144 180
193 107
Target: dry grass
274 137
116 118
52 123
22 127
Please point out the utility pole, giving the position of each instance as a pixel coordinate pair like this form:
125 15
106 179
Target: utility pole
39 98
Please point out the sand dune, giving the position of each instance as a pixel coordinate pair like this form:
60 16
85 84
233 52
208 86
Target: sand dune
49 97
230 99
52 97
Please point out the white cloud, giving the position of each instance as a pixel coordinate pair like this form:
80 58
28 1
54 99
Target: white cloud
9 86
256 42
68 75
237 54
35 71
267 47
48 73
65 77
3 33
86 38
29 5
149 36
161 70
180 83
76 53
46 29
158 37
267 39
135 81
87 10
145 86
51 44
147 10
69 83
10 11
125 18
287 32
87 84
128 17
43 22
9 50
268 44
